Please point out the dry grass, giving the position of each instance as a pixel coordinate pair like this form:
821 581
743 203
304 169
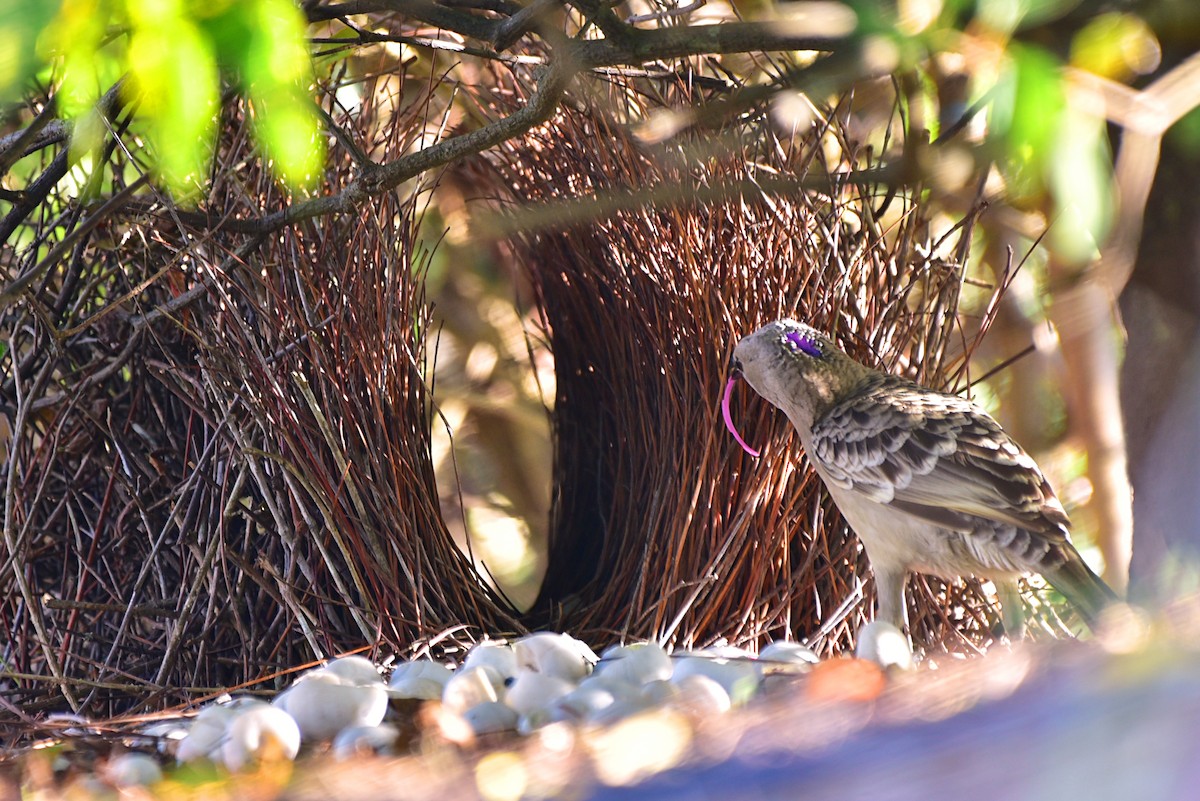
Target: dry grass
208 497
662 527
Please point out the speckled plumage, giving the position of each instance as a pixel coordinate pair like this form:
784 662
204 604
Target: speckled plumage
928 481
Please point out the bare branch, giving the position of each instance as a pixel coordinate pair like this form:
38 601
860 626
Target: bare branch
467 24
696 40
43 131
623 44
541 107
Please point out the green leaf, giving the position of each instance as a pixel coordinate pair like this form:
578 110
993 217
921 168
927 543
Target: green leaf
21 23
287 129
1185 134
75 39
263 42
1026 116
173 70
1080 174
278 71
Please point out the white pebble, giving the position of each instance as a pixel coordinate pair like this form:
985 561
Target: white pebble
355 670
260 733
659 692
496 655
552 654
207 732
584 702
421 679
364 740
637 664
700 696
324 702
491 717
623 706
166 734
885 645
790 653
535 693
133 770
738 677
470 686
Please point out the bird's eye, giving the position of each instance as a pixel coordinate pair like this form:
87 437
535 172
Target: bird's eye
803 343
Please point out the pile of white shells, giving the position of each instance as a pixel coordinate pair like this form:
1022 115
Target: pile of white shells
533 681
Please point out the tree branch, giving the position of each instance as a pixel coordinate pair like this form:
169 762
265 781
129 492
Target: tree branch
622 45
660 44
467 24
376 180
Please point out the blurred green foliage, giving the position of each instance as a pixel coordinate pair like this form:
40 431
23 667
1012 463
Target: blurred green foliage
1053 155
170 56
20 23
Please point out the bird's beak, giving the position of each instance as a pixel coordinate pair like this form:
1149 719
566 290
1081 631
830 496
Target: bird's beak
735 374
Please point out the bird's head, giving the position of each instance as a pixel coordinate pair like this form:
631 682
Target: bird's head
797 368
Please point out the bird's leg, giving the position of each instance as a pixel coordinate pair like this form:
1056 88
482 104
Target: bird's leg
1012 609
889 590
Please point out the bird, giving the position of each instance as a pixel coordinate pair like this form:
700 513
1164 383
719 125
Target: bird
929 481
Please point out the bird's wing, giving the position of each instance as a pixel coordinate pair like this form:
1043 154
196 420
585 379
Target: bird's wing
937 456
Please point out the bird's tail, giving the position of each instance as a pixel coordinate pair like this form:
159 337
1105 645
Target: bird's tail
1086 591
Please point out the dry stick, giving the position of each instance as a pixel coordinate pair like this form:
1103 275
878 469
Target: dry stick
32 603
17 145
283 525
295 480
171 653
20 285
149 563
299 613
541 107
324 503
200 290
335 450
37 192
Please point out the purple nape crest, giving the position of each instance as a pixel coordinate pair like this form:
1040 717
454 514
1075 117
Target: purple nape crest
729 417
803 343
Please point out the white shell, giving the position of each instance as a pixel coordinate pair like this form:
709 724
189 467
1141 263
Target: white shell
206 733
323 702
496 655
552 654
259 731
885 645
726 652
421 679
623 707
168 734
359 740
133 770
737 677
584 702
471 686
637 664
700 696
355 670
792 653
659 692
535 693
491 717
